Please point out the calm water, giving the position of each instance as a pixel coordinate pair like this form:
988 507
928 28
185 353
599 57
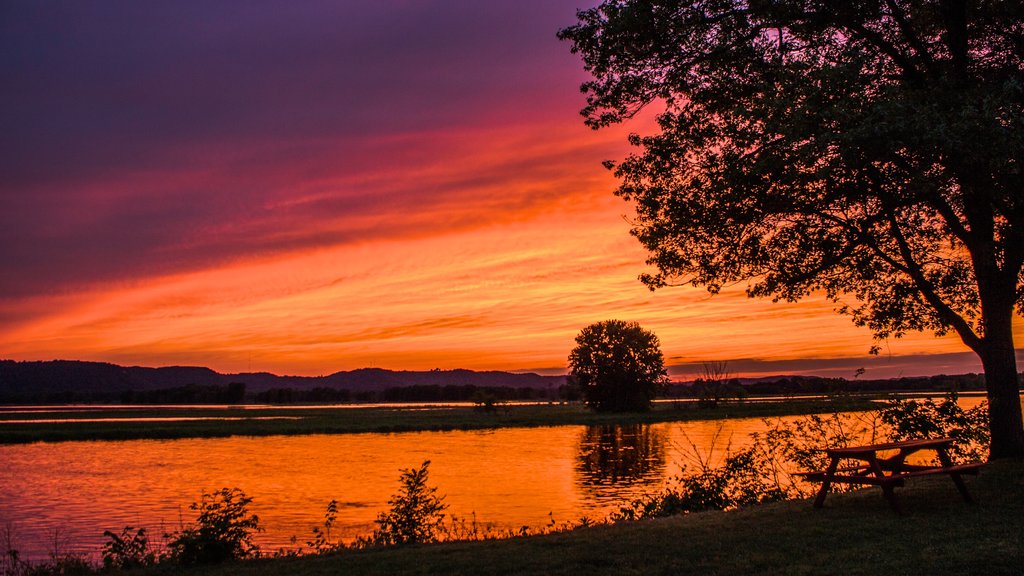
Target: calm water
507 478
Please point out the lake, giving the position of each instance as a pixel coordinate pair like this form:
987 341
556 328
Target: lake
69 493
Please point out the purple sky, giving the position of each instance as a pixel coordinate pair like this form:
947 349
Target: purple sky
328 185
130 126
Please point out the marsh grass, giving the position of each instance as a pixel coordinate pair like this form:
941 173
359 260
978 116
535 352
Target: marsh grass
333 420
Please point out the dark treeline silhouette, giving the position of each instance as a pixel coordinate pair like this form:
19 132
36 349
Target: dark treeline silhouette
233 393
68 382
62 381
319 395
415 393
819 385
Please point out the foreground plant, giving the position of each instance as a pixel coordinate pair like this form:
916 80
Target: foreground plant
762 472
416 515
926 418
224 530
744 478
322 541
127 550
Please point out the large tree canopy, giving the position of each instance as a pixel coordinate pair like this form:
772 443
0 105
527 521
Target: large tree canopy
868 149
618 366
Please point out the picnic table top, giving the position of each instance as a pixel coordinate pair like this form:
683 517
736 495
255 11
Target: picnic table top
906 444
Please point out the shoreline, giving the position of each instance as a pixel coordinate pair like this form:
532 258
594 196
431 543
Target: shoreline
163 422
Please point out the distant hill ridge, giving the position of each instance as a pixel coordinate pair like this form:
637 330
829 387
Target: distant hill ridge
54 376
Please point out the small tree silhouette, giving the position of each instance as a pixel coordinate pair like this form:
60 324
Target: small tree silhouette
715 384
416 515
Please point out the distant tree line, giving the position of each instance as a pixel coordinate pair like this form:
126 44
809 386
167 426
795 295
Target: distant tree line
235 392
415 393
232 393
819 385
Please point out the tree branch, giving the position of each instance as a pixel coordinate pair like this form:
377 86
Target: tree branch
913 269
908 32
876 39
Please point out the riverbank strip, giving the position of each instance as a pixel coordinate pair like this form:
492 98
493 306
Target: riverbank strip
855 534
191 422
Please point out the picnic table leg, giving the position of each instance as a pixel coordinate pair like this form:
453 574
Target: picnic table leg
888 487
947 462
826 482
890 495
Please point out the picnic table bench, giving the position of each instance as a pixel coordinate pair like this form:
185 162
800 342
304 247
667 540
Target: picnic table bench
889 472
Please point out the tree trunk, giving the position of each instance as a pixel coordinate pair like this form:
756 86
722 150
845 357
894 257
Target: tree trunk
1004 401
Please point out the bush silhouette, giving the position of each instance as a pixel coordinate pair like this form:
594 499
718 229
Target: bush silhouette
416 515
223 530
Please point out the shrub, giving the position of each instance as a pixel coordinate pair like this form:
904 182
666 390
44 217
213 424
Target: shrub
912 419
715 384
127 550
744 478
485 401
223 530
416 514
798 445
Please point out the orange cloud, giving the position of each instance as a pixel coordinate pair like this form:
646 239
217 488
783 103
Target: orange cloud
490 293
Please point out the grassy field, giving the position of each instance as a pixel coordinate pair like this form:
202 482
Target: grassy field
32 426
855 534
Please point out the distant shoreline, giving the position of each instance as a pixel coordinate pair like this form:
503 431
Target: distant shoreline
164 422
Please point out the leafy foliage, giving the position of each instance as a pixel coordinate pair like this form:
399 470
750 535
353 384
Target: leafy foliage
618 366
926 418
762 472
416 515
223 530
829 147
61 560
127 550
744 478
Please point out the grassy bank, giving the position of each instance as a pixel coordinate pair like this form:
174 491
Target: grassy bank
32 427
854 534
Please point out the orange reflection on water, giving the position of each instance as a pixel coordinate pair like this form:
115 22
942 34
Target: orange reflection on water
505 478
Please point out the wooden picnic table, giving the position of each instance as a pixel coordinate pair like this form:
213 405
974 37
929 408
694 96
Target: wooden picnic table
889 472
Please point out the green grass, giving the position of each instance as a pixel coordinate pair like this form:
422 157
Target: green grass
330 420
855 534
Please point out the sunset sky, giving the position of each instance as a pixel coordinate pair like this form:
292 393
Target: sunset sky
307 187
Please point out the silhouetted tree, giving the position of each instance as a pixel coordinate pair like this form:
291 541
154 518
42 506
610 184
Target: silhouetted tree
235 393
618 366
715 384
416 515
867 150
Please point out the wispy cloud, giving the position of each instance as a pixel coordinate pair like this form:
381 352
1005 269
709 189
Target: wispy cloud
329 186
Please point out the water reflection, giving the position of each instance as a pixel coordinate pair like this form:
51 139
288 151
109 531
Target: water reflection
505 478
613 459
